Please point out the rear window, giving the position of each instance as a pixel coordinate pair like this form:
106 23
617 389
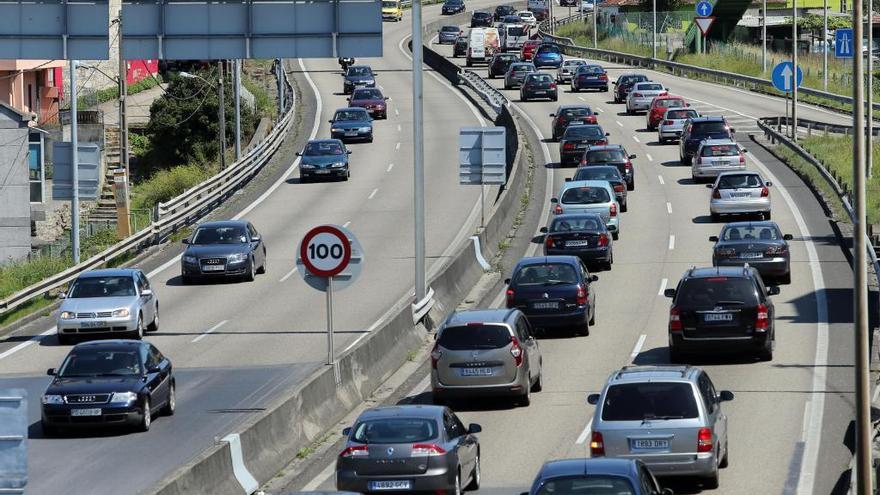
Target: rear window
474 337
591 69
708 127
585 196
515 31
587 485
576 223
629 80
570 113
669 103
597 173
366 94
696 293
649 87
547 274
750 232
681 114
603 156
573 63
523 68
548 49
395 430
649 400
743 181
583 132
450 29
540 78
720 150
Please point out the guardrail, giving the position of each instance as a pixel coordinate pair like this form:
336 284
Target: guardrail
177 213
753 83
487 92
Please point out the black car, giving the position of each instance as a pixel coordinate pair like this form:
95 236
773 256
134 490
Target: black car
608 173
109 383
607 475
576 139
481 19
231 248
721 309
324 159
503 11
624 84
459 49
500 62
612 154
358 76
580 234
567 115
452 7
699 129
538 85
760 244
554 292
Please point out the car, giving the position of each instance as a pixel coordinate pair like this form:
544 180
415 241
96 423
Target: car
547 55
228 248
642 94
658 108
392 10
528 50
448 34
500 62
503 11
721 309
512 19
576 139
516 72
592 196
567 68
370 99
608 173
567 115
580 234
554 292
589 77
452 7
481 19
527 17
623 85
715 156
586 476
358 76
567 3
351 124
324 158
410 448
740 193
109 301
696 130
669 417
586 6
673 122
538 85
108 383
612 154
486 353
459 49
760 244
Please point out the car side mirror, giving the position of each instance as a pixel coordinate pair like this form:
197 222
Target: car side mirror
256 238
713 238
543 230
147 292
787 237
725 396
346 431
385 98
607 134
593 399
554 200
506 281
568 179
709 186
632 157
553 115
745 150
51 372
154 369
299 153
669 292
62 295
768 184
732 130
347 152
348 100
614 83
594 278
538 239
773 290
330 121
474 428
184 241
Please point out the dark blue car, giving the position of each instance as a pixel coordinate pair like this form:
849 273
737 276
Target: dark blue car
324 159
351 124
358 76
547 55
618 476
580 234
589 77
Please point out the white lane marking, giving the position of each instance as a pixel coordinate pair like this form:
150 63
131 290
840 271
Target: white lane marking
321 478
35 338
618 123
662 286
581 98
373 193
390 166
671 241
585 433
397 112
660 178
650 158
638 347
397 147
398 128
599 109
669 207
496 303
806 421
288 275
209 331
422 386
636 139
346 224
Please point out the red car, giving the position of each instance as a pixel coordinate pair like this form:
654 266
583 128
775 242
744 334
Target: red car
528 49
370 99
659 106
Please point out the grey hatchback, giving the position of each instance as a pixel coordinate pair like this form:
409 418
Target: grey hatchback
409 448
669 417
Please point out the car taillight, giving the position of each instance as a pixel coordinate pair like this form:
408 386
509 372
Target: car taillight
516 351
603 77
592 119
628 166
581 296
612 210
552 85
664 93
510 295
637 95
765 192
704 440
725 252
558 210
597 445
549 242
777 249
357 451
668 122
674 319
583 162
699 160
619 188
716 194
601 142
762 320
742 159
562 121
603 240
568 146
426 450
435 355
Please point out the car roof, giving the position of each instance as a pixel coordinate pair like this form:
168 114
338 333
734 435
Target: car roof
348 109
408 410
741 172
758 223
714 118
109 272
224 223
744 271
546 260
361 66
319 141
601 147
572 106
109 345
585 183
598 168
603 466
570 216
649 373
460 318
715 142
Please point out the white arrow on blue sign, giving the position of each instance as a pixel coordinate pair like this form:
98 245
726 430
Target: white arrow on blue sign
704 9
843 43
782 76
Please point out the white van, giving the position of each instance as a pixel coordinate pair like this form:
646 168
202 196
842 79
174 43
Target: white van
513 36
482 44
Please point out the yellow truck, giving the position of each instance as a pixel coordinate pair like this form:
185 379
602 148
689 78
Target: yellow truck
392 10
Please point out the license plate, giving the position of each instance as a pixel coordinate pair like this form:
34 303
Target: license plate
651 444
91 324
577 243
540 92
592 78
322 171
390 485
476 372
751 255
351 133
581 146
713 317
546 305
213 268
85 412
740 195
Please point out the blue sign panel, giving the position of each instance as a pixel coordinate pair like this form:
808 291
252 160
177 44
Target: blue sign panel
782 76
843 43
13 440
704 9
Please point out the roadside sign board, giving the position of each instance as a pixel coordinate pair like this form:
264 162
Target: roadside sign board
89 167
68 30
705 24
329 251
704 9
782 76
843 43
482 155
13 440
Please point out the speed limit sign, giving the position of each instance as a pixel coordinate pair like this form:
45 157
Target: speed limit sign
329 251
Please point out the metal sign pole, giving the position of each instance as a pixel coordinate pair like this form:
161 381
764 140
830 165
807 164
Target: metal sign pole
236 84
279 67
418 152
825 47
654 31
794 69
330 358
74 160
595 23
869 93
221 89
764 38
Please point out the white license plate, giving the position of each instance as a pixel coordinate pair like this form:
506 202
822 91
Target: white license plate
351 134
85 412
322 171
91 324
740 195
718 317
751 255
390 485
476 371
651 444
577 243
213 268
546 305
540 92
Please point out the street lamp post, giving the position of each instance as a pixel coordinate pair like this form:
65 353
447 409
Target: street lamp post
764 38
825 47
794 64
654 31
418 154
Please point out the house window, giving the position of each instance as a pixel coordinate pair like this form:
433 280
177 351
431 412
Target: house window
35 166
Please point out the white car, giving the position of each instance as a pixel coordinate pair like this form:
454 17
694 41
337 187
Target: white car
586 6
528 18
569 66
642 94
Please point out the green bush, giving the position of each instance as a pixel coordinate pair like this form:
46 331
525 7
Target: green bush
166 184
265 104
20 274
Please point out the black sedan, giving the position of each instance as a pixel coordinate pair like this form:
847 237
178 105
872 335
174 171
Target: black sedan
230 248
452 7
580 234
358 76
567 115
500 62
576 139
760 244
612 154
481 19
324 159
623 85
629 476
109 383
409 448
459 49
503 11
538 85
608 173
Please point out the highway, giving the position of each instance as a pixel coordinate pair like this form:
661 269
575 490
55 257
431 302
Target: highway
786 411
237 347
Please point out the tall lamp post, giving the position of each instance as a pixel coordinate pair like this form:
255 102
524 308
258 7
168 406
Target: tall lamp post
418 153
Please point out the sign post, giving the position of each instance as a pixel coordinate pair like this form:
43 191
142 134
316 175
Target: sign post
783 77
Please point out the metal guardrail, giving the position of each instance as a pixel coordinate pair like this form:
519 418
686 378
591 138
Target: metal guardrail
754 83
487 92
179 212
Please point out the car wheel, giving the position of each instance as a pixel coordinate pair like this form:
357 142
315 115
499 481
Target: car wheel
592 317
631 185
715 217
785 279
724 462
766 353
623 207
661 140
539 383
476 477
682 160
303 179
251 272
526 398
609 262
506 86
694 179
615 235
171 405
263 269
146 417
555 98
154 325
766 215
138 333
370 139
711 482
456 488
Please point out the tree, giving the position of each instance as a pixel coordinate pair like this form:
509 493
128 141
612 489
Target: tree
662 5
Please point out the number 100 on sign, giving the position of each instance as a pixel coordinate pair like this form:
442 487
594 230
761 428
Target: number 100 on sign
325 251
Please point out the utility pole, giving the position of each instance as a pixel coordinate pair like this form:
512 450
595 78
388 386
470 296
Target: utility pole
74 161
654 32
869 93
279 68
123 227
222 90
794 63
550 7
764 38
418 153
825 47
595 23
236 83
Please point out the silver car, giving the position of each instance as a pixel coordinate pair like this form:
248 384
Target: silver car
593 196
740 193
482 353
673 122
516 72
568 67
642 94
715 156
116 301
669 417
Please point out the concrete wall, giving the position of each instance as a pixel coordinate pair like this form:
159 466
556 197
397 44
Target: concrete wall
15 213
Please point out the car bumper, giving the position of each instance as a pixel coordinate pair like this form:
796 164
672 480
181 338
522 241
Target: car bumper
746 343
60 415
231 270
344 136
587 254
389 16
571 320
549 93
696 464
432 480
714 170
590 84
722 207
444 39
669 132
773 267
92 326
514 388
547 63
638 104
322 173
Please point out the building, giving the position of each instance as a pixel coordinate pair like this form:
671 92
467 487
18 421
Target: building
33 86
16 187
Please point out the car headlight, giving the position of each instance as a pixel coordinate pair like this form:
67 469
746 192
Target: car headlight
190 259
237 257
68 315
370 81
53 399
337 129
121 313
123 397
366 129
338 164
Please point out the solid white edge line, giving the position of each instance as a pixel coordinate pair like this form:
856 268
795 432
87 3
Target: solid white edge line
322 477
638 347
618 123
660 178
242 475
585 433
372 194
671 241
662 286
288 275
209 331
30 341
669 207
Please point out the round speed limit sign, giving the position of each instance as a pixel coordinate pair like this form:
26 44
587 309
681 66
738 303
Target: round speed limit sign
325 251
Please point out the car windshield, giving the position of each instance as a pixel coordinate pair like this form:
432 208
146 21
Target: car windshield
585 196
481 15
751 232
720 150
359 71
668 103
681 114
95 362
597 173
587 485
220 235
606 156
573 113
324 149
591 69
366 94
515 31
353 115
740 181
630 80
474 336
708 292
649 87
709 128
523 68
103 287
389 5
584 132
649 400
395 430
546 274
548 49
450 29
575 223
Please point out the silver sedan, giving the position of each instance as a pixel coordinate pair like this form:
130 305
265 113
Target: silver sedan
740 193
569 66
642 95
672 124
715 156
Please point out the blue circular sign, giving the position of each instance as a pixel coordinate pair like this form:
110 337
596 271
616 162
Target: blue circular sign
704 8
783 76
